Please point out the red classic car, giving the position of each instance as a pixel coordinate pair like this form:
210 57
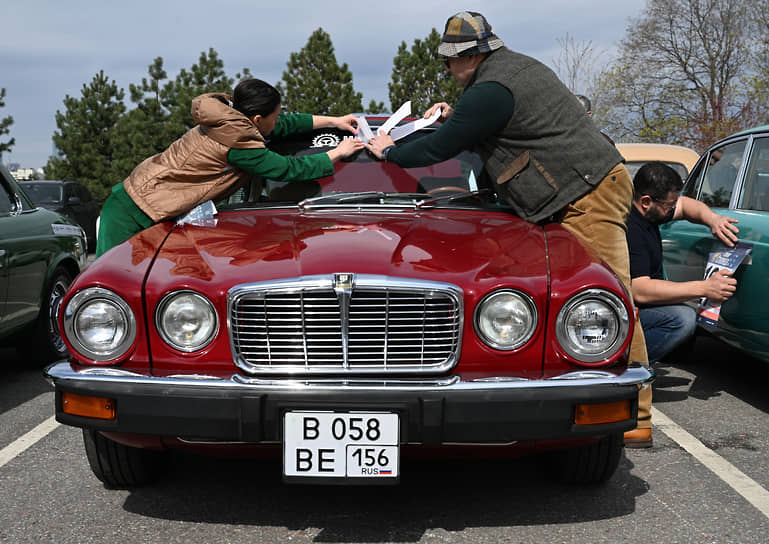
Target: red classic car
345 322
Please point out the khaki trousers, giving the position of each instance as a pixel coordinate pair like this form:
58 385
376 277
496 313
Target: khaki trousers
600 218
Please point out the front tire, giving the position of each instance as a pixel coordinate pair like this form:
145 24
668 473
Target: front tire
591 464
119 466
45 344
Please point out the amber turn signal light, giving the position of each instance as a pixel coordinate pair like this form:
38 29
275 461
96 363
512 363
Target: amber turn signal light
592 414
81 405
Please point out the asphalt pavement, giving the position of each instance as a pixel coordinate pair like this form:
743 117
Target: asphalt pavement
705 480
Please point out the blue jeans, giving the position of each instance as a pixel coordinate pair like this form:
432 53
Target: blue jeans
666 327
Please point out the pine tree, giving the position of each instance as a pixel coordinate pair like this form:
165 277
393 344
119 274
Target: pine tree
84 136
5 124
144 130
419 75
315 83
375 107
162 112
206 76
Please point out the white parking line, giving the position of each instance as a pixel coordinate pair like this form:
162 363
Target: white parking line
16 447
739 481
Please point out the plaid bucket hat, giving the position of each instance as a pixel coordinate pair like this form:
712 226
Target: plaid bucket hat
467 33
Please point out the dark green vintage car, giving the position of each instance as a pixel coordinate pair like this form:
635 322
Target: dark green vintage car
732 177
41 252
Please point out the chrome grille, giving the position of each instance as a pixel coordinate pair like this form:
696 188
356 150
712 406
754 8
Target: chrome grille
374 324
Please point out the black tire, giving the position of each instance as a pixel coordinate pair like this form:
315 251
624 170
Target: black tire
119 466
591 464
44 344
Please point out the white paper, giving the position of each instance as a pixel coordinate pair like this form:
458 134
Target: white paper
364 131
395 118
404 130
396 133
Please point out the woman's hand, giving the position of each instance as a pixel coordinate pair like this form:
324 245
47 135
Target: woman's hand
348 122
348 147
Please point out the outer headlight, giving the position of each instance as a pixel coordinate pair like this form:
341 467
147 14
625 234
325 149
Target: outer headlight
506 319
186 320
99 324
592 325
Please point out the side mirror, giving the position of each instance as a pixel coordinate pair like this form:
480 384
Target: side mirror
73 201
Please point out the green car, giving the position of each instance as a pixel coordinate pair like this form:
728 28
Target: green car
41 252
732 177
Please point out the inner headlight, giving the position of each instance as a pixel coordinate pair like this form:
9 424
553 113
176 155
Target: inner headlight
186 320
506 319
99 324
592 326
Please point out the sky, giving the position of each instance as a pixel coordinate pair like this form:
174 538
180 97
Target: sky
51 48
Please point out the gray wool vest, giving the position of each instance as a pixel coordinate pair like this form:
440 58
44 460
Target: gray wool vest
550 153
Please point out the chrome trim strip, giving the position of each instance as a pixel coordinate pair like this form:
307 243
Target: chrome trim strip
635 374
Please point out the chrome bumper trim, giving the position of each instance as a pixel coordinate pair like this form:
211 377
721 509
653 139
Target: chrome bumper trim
635 374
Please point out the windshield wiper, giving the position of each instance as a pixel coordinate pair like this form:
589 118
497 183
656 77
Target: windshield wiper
452 198
379 197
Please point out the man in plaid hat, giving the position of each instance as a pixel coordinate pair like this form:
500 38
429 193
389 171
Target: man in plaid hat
542 154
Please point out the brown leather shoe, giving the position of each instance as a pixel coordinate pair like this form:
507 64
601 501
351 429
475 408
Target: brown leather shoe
638 438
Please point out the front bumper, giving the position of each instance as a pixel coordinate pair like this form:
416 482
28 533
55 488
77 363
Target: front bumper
432 411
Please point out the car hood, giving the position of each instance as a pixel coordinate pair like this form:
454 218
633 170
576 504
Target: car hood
460 247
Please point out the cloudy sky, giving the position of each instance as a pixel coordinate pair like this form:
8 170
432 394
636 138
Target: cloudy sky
51 48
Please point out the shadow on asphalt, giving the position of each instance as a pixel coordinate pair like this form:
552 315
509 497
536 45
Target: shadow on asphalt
20 381
452 495
716 368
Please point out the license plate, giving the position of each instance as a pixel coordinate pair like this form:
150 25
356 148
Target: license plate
340 445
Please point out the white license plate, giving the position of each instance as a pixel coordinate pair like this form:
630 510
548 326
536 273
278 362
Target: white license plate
340 444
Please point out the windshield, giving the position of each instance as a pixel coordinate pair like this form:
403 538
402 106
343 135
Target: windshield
363 179
43 193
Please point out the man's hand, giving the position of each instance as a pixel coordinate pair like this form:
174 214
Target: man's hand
723 228
720 286
446 110
377 144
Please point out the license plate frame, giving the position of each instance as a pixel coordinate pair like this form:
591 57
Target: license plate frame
350 446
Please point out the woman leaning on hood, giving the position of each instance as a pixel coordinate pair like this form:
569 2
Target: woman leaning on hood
218 155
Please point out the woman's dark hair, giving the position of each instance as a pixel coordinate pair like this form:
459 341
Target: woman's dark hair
255 97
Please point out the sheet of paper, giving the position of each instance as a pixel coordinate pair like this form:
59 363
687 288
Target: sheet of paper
395 118
729 259
404 130
364 130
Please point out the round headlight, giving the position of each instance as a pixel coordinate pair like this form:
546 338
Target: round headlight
506 319
592 326
99 324
186 320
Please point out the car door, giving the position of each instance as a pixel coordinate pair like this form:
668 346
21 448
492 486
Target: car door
737 188
26 239
6 206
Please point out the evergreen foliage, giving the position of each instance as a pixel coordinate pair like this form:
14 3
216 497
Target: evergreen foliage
85 135
5 124
314 83
419 75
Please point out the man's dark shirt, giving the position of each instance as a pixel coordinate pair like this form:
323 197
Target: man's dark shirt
645 245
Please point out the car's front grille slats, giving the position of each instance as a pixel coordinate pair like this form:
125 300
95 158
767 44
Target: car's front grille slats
309 326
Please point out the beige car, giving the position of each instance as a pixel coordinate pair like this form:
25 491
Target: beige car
681 159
